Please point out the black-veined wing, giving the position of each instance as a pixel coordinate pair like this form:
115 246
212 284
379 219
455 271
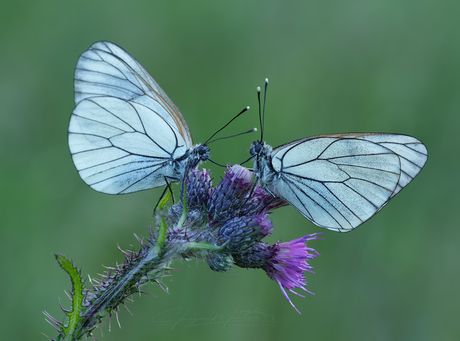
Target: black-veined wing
125 134
106 69
340 181
121 147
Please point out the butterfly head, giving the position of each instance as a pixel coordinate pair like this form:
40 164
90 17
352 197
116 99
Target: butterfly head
257 148
260 150
199 153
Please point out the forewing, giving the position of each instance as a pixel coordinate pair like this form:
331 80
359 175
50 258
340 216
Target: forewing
106 69
340 181
412 154
121 147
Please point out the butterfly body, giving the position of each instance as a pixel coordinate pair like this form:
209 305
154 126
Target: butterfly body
263 169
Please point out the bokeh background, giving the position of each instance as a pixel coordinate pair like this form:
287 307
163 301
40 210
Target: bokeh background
334 66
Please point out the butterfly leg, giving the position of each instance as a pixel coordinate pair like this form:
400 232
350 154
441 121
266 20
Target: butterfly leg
267 204
168 187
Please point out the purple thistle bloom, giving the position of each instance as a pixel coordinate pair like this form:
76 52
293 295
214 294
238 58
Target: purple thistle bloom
199 187
289 262
233 216
241 233
284 263
232 201
234 196
236 217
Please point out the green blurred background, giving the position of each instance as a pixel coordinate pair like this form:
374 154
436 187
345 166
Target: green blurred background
334 66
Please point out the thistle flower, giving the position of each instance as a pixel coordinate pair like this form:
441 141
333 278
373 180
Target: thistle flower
224 225
232 216
237 220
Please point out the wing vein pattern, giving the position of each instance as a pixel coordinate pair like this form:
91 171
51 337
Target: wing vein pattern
106 69
340 181
125 134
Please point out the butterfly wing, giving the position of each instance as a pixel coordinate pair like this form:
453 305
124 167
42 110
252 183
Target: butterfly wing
106 69
120 146
340 181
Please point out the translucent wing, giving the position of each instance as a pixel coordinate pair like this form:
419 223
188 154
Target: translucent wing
106 69
340 181
121 147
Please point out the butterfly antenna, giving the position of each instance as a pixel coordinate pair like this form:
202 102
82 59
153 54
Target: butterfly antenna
242 163
263 111
226 137
260 116
234 118
214 162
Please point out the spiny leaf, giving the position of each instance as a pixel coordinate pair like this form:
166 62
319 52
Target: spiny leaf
76 293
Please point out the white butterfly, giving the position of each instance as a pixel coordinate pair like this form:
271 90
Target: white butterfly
338 181
125 134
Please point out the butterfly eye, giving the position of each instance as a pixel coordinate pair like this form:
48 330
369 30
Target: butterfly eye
258 148
202 150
